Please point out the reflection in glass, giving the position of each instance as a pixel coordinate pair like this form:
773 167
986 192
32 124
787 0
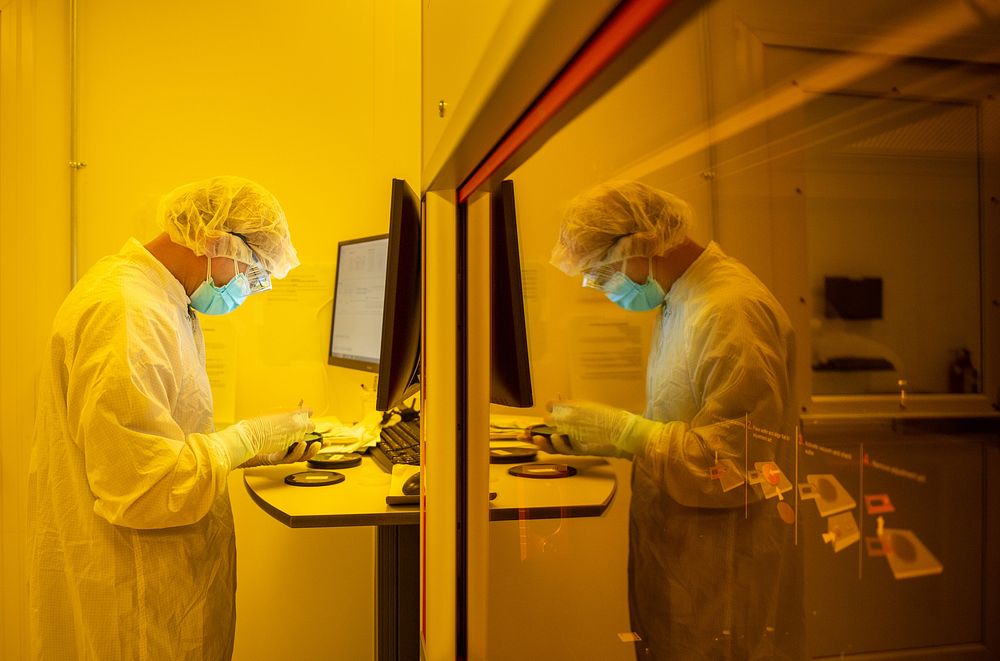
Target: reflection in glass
886 309
840 154
719 400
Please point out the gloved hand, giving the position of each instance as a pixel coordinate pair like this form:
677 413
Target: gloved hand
554 444
597 429
266 434
299 451
275 432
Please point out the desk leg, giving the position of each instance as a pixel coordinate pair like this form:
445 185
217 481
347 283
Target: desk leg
397 627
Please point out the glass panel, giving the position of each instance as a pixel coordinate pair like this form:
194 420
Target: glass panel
886 310
889 525
833 158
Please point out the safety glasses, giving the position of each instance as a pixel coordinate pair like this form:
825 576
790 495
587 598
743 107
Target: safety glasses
257 277
598 277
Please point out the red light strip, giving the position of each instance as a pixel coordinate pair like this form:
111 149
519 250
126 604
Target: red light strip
628 20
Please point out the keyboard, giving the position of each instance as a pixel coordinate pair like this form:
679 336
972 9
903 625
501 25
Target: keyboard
398 444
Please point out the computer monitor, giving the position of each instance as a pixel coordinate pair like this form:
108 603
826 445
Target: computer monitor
376 304
358 301
510 369
399 357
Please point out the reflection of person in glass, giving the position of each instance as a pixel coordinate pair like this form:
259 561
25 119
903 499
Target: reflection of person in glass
709 529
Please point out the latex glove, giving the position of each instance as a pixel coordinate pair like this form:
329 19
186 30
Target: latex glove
266 434
299 451
599 429
275 432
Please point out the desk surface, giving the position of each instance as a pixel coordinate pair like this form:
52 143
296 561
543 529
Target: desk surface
360 499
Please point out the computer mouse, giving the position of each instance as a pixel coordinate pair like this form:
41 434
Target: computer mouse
412 485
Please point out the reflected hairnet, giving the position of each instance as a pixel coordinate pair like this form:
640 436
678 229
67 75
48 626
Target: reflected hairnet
617 220
211 216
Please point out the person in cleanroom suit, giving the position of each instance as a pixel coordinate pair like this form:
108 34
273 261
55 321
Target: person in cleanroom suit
132 542
711 571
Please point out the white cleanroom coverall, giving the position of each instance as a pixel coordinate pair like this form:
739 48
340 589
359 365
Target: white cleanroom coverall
712 574
132 541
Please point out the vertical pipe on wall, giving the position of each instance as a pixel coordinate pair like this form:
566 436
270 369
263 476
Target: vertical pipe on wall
74 161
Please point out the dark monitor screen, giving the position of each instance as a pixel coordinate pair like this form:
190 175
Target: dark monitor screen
850 298
399 356
510 370
358 297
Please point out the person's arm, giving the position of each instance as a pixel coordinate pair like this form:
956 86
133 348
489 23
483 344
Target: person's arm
739 366
737 363
123 387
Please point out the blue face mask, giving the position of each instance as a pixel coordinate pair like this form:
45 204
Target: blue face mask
622 291
209 299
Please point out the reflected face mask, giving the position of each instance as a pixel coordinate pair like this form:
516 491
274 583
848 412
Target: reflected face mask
209 299
629 295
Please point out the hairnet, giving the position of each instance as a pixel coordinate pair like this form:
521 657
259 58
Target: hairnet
617 220
211 216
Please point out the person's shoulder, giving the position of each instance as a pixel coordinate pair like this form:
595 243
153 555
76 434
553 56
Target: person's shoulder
114 292
731 293
146 305
94 301
726 285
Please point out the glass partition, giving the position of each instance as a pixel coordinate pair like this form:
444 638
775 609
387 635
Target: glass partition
839 163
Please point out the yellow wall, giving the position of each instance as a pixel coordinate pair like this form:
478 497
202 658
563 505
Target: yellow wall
316 101
290 99
34 269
